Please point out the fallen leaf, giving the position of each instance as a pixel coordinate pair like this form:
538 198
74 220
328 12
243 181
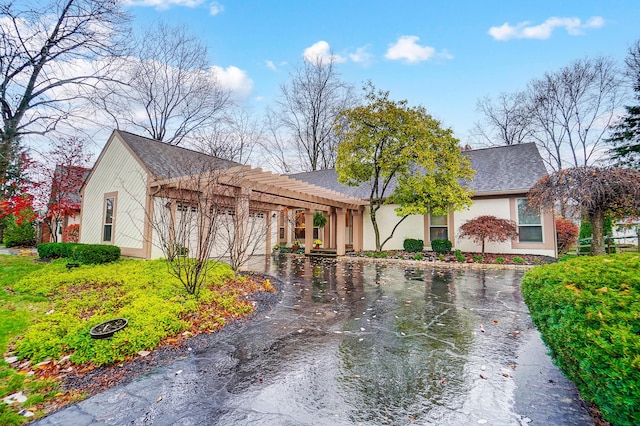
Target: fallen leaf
159 398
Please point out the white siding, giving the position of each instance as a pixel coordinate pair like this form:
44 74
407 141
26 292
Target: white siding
117 171
411 227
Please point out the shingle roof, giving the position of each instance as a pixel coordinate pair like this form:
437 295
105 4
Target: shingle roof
502 169
509 168
170 161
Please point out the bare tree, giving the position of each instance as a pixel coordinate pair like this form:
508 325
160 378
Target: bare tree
508 119
49 52
235 137
566 112
169 89
203 215
306 110
572 109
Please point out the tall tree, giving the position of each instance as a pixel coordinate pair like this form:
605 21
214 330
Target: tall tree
405 157
508 119
306 110
235 137
49 52
566 112
596 191
626 133
169 89
572 109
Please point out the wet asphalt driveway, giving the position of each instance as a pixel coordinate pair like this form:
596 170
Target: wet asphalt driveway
358 343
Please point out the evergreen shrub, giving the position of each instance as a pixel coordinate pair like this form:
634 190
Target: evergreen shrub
586 309
441 246
412 245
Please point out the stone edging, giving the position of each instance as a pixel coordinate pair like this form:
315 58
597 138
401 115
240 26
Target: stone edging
437 263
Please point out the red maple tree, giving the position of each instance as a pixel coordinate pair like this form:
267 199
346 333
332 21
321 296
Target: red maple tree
489 228
62 182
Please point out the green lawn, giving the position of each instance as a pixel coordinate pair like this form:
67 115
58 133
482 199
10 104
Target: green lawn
46 312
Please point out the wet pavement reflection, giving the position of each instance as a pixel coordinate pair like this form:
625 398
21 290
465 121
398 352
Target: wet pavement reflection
361 343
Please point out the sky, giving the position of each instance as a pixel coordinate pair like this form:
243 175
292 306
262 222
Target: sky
443 55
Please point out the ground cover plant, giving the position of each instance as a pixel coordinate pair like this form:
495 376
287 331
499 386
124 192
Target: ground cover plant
70 302
588 312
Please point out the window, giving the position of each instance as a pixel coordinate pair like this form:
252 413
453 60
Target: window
529 223
107 230
438 227
300 225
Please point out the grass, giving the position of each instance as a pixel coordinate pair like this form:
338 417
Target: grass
47 311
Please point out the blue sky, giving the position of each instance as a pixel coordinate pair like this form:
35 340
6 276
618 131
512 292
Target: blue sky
442 55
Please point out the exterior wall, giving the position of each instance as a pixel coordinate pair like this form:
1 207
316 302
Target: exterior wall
411 227
117 172
416 227
505 208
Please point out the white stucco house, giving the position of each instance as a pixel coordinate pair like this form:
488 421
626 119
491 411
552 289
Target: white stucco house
138 182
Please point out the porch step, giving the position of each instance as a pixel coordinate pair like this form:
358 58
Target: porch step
328 252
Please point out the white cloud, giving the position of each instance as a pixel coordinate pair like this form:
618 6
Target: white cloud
573 26
215 8
407 48
163 4
270 65
321 50
234 79
361 56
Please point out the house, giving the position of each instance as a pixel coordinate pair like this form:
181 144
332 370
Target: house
150 198
63 209
504 175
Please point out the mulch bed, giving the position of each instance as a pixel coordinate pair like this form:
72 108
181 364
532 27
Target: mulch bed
487 258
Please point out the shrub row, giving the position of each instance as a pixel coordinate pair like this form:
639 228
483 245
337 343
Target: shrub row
441 246
412 246
588 312
81 253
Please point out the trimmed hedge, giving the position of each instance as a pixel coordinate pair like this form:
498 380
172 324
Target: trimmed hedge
81 253
55 250
588 312
441 246
412 246
96 253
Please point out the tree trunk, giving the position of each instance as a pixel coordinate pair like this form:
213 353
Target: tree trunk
597 226
376 231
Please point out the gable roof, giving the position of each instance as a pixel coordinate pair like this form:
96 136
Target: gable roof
169 161
507 169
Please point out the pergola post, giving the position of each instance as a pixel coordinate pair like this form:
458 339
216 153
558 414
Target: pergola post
357 230
241 220
341 227
267 244
308 230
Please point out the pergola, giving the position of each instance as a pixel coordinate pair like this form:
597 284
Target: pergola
248 189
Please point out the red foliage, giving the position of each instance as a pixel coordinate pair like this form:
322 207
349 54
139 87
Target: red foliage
489 228
71 234
566 234
15 196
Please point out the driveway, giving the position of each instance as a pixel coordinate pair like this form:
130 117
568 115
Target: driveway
354 343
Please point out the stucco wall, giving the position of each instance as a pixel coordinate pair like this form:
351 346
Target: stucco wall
411 227
117 172
414 227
